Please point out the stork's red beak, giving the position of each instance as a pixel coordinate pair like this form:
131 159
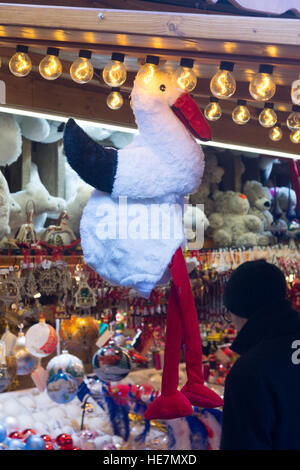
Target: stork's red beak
190 115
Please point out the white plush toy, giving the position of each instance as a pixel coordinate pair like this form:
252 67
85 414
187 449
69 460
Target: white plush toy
10 139
75 206
32 128
231 225
4 207
286 199
260 202
195 224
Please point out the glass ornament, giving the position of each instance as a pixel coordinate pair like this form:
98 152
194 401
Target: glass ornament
50 66
16 444
241 114
213 110
262 86
82 70
115 100
295 136
293 120
62 387
67 363
114 73
267 117
275 133
223 84
5 378
111 363
295 91
3 432
35 443
41 339
26 362
184 76
64 441
148 69
20 63
79 333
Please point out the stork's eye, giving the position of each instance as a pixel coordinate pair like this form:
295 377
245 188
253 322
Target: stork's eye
162 87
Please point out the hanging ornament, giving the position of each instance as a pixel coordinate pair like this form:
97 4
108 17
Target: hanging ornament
20 64
82 70
293 120
295 136
241 114
85 296
50 66
79 333
10 288
114 73
26 363
223 84
184 76
41 339
267 117
115 99
213 110
66 363
295 91
262 86
111 363
62 387
149 68
276 133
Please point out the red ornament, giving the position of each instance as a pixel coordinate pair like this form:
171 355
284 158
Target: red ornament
76 448
49 446
64 441
27 433
16 435
46 438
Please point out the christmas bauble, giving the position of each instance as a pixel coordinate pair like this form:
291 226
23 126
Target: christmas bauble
16 444
66 363
4 378
26 363
41 339
62 387
3 433
79 333
64 441
35 443
111 363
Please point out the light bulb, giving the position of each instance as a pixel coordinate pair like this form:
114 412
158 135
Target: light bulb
267 117
213 110
293 120
149 69
295 91
276 133
115 99
20 63
114 73
50 66
184 76
241 114
223 84
262 86
295 136
82 70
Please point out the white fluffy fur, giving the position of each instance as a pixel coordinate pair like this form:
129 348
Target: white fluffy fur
75 206
10 139
4 207
35 129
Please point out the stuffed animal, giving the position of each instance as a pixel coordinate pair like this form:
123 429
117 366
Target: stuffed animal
231 225
195 224
10 139
32 128
284 204
147 181
75 206
4 207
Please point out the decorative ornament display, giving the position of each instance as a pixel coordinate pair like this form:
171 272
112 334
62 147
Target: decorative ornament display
82 70
85 296
62 387
64 441
34 443
115 73
60 234
79 332
50 66
295 136
10 288
115 100
68 363
223 84
111 363
293 120
241 114
148 70
262 86
267 117
20 63
276 133
41 339
213 110
185 76
26 362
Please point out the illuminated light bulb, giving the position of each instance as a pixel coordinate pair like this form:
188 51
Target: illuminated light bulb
50 66
213 110
293 120
20 63
295 92
223 84
115 73
148 70
295 136
276 133
267 117
115 99
82 70
241 114
262 86
184 76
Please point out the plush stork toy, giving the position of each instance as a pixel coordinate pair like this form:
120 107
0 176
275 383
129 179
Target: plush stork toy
126 244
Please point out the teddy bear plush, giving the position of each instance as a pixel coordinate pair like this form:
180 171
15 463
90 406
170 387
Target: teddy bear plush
231 224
